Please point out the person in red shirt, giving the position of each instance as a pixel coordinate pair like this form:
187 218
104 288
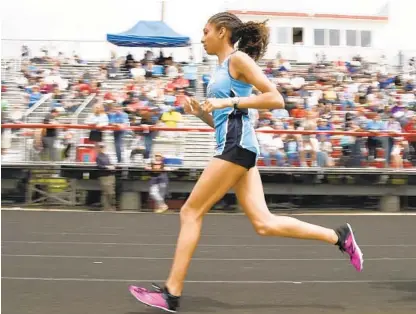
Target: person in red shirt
84 87
410 127
299 112
180 82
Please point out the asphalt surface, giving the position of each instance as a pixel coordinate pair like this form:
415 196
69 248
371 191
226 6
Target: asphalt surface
83 262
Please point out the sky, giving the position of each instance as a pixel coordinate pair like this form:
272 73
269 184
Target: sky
21 17
90 20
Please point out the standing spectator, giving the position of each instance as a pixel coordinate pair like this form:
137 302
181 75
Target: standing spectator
119 119
6 134
149 117
158 183
50 135
68 141
410 127
98 119
107 178
374 125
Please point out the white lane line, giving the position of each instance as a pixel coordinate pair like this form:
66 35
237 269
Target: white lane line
74 233
148 235
199 245
215 281
203 258
288 213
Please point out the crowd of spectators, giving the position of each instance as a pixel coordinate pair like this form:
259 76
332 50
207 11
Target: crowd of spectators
154 96
325 96
153 93
339 96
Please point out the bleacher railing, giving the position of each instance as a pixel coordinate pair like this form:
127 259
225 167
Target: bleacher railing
204 129
41 101
28 131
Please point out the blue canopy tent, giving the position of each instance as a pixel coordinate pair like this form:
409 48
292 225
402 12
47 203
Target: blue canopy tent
151 34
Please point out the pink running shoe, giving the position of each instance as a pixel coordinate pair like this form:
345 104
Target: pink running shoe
348 244
159 298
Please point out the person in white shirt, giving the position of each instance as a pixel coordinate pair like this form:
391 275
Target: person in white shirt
99 119
271 145
138 73
324 158
308 146
264 140
396 154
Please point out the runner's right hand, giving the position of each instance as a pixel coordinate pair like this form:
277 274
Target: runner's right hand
192 106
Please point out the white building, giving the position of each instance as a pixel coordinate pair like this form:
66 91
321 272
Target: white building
301 36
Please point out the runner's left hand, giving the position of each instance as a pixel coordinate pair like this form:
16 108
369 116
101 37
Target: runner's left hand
212 104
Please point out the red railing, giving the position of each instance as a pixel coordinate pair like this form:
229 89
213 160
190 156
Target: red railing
192 129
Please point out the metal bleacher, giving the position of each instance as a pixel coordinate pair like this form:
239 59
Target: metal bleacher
199 146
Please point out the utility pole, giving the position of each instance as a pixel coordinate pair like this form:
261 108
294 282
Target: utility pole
163 10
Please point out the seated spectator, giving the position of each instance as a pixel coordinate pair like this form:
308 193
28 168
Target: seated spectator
396 154
276 147
373 126
134 104
57 97
171 118
280 113
95 87
180 100
34 95
265 140
292 149
327 112
138 72
180 82
149 69
308 147
392 126
324 158
299 112
171 70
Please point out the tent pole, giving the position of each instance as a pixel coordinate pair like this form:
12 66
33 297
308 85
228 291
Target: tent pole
163 10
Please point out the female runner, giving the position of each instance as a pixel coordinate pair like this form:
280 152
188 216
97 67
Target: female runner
234 164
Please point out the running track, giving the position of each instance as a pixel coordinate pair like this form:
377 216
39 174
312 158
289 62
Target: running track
83 262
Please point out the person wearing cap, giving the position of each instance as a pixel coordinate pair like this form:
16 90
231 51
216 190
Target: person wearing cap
106 177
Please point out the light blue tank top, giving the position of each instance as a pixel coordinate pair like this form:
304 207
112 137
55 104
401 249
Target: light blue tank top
232 127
